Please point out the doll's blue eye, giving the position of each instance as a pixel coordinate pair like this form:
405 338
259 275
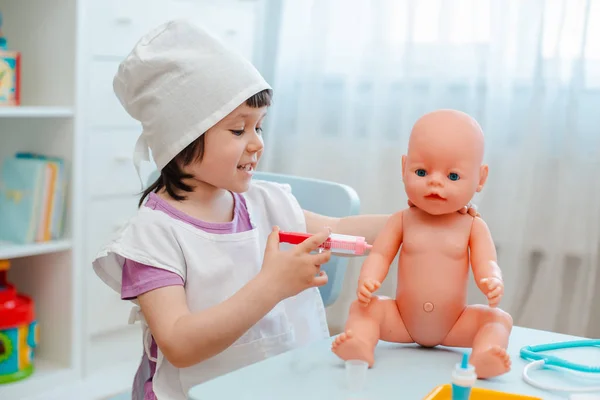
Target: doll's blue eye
420 172
453 176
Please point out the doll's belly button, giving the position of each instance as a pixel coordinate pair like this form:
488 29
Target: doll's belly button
428 307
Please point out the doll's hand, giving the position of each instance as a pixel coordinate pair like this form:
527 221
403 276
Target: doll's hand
493 288
365 290
471 209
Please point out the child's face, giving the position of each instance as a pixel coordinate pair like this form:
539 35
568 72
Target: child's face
232 149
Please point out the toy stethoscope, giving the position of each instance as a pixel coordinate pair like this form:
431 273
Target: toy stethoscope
540 361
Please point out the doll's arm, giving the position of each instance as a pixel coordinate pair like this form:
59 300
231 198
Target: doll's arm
376 266
484 262
385 248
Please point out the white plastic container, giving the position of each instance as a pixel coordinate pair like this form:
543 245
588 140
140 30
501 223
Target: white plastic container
356 374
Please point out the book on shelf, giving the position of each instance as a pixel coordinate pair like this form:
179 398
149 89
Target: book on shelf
32 198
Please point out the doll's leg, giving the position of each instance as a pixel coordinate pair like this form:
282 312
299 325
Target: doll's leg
366 325
486 331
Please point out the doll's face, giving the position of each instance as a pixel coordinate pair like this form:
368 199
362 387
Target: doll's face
443 167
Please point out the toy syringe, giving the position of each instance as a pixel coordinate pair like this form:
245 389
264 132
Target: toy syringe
336 243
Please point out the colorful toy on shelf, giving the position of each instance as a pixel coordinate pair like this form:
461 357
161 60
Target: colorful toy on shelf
10 73
19 333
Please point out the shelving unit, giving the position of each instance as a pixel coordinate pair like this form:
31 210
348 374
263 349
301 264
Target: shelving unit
10 250
47 375
70 52
45 31
36 112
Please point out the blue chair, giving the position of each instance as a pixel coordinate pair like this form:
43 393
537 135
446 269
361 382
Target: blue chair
321 197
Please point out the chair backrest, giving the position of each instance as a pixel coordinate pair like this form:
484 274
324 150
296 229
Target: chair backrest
325 198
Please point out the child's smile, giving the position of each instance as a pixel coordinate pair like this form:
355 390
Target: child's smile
247 168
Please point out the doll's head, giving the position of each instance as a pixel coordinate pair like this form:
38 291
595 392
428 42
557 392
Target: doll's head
443 167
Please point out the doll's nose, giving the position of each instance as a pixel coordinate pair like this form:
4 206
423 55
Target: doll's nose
435 181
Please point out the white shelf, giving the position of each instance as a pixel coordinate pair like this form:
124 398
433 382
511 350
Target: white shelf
35 112
12 250
46 375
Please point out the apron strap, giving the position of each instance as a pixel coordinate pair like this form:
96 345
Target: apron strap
137 315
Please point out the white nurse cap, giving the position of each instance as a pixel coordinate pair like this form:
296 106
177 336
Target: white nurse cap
179 81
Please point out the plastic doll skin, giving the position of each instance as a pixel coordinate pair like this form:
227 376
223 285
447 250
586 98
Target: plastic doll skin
441 172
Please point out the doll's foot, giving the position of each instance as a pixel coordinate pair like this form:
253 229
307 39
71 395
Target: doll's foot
347 347
491 362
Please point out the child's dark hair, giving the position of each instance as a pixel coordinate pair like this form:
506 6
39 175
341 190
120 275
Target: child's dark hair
172 176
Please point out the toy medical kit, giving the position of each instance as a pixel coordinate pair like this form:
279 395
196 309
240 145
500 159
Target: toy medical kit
444 392
463 379
19 333
539 361
337 244
463 387
10 73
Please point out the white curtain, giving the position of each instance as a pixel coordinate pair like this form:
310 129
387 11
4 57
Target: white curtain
352 76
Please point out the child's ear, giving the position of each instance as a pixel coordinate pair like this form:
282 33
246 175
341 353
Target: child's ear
483 175
403 164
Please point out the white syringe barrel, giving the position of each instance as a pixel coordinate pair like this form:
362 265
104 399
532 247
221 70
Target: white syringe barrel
347 244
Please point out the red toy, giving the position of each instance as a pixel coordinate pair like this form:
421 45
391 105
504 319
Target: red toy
19 333
337 244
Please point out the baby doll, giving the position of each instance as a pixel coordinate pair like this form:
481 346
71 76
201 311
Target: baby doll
441 171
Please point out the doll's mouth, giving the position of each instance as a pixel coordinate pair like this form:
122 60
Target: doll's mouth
435 196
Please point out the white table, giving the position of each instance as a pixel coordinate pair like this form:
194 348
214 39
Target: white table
401 372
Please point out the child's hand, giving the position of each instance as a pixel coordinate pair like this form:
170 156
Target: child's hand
471 209
292 271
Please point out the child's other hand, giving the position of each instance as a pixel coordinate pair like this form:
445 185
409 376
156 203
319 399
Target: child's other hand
471 209
294 270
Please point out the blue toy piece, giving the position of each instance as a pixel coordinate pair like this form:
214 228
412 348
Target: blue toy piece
533 353
540 361
321 197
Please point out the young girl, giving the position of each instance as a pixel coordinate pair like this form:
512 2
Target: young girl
201 258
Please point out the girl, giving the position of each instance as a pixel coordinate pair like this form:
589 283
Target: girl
201 258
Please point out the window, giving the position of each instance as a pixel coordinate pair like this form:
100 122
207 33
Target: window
460 39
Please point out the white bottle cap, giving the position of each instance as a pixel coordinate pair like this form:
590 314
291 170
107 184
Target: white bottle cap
464 373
